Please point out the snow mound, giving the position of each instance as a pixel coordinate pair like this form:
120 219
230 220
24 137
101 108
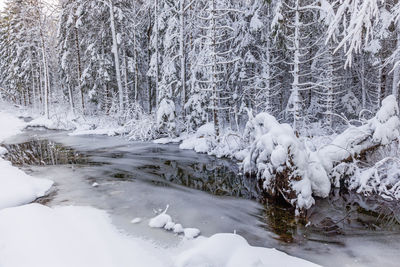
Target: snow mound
191 232
160 220
163 220
282 163
202 141
230 250
17 188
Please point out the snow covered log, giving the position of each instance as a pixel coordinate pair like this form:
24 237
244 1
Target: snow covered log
282 164
285 167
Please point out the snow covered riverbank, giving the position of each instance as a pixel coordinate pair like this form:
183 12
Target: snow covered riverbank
16 187
37 236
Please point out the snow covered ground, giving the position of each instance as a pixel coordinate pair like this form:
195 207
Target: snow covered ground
38 236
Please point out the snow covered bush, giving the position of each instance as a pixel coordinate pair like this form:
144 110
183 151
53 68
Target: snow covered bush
383 178
381 130
203 141
340 158
143 128
282 163
287 168
166 117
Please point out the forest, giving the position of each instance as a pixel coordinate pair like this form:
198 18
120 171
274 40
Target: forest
191 62
174 69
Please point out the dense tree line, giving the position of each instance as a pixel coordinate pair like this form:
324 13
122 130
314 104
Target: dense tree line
190 62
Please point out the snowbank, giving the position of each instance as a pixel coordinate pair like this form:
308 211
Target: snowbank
16 187
230 250
38 236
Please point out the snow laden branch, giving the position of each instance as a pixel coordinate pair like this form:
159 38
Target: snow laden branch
286 168
353 23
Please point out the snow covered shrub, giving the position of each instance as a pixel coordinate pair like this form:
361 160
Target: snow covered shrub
196 114
383 179
381 130
143 128
138 125
166 117
282 163
340 158
203 141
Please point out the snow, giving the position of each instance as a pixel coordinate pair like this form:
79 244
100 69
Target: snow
383 178
84 236
136 220
160 220
275 149
230 250
178 228
191 232
16 187
52 123
38 236
10 125
202 141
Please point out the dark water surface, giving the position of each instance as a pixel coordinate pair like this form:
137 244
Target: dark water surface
136 179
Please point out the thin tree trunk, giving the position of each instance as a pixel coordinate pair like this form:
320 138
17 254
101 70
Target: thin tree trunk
116 57
182 53
79 67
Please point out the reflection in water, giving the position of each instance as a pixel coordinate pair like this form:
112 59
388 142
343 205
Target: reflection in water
341 214
217 179
42 152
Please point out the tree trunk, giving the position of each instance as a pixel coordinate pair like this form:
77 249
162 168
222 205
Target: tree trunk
116 57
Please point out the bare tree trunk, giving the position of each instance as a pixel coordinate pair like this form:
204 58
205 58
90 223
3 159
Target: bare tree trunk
214 68
116 57
79 68
182 53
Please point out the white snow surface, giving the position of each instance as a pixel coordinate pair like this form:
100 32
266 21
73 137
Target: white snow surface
38 236
230 250
16 187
